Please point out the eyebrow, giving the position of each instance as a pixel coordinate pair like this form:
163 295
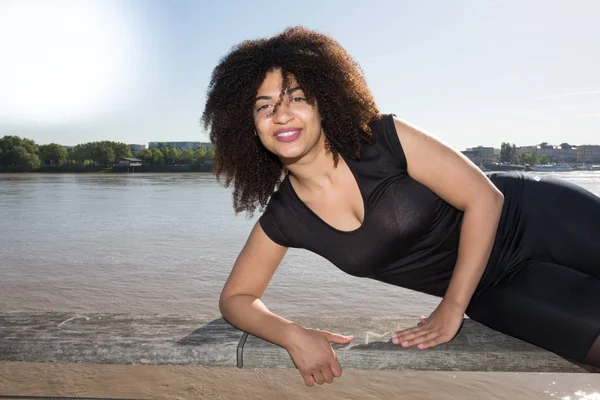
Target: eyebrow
290 91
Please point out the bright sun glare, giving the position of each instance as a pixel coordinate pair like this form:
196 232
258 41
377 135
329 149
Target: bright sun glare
64 60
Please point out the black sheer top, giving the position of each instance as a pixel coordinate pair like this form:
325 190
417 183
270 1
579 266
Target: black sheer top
409 236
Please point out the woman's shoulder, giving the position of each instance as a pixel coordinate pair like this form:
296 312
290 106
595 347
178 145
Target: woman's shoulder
383 127
385 138
277 213
281 196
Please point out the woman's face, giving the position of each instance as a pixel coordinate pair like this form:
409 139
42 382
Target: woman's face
287 125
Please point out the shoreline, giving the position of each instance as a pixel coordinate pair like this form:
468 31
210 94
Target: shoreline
211 383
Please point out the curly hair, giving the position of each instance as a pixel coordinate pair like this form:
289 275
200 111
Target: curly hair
327 74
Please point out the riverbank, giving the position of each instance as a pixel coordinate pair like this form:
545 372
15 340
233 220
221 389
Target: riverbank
76 169
187 382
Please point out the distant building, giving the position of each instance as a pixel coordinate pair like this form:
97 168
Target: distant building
527 149
559 155
554 154
480 155
181 145
136 148
127 164
588 153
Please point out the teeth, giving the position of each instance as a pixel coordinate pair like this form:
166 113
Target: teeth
284 134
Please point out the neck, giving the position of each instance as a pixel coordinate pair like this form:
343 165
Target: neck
314 170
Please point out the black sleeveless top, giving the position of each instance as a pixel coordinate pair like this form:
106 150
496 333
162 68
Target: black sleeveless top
409 236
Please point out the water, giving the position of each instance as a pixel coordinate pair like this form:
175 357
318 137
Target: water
161 243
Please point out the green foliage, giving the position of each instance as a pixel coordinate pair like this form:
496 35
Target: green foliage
529 158
53 154
187 156
103 153
19 154
508 153
172 155
157 157
199 154
145 155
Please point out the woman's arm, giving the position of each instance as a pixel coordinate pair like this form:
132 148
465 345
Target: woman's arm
459 182
240 301
240 304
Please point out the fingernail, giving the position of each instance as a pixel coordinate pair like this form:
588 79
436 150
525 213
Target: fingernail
404 343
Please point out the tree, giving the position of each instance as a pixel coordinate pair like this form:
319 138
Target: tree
145 155
157 157
508 153
199 154
122 150
529 158
172 155
187 156
101 153
52 154
80 154
19 154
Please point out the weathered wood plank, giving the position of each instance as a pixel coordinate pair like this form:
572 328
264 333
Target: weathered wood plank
160 339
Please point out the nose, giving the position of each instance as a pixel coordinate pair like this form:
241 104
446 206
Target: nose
283 113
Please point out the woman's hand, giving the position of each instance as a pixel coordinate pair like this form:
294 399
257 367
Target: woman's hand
313 355
441 327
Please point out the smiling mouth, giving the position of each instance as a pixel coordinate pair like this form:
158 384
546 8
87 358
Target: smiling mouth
288 135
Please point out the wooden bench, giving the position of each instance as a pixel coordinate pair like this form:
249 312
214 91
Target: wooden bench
174 340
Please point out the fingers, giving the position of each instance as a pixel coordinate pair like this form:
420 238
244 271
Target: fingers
432 343
327 375
421 337
414 337
308 379
408 334
320 365
318 376
336 368
337 338
324 374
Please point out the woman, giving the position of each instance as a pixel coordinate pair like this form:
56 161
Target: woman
298 133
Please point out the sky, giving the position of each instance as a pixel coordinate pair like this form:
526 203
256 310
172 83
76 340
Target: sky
471 72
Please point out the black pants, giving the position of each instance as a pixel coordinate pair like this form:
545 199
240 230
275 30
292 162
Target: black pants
551 298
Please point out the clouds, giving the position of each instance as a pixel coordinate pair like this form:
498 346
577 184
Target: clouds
569 94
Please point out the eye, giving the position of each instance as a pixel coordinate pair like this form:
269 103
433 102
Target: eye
263 107
298 99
